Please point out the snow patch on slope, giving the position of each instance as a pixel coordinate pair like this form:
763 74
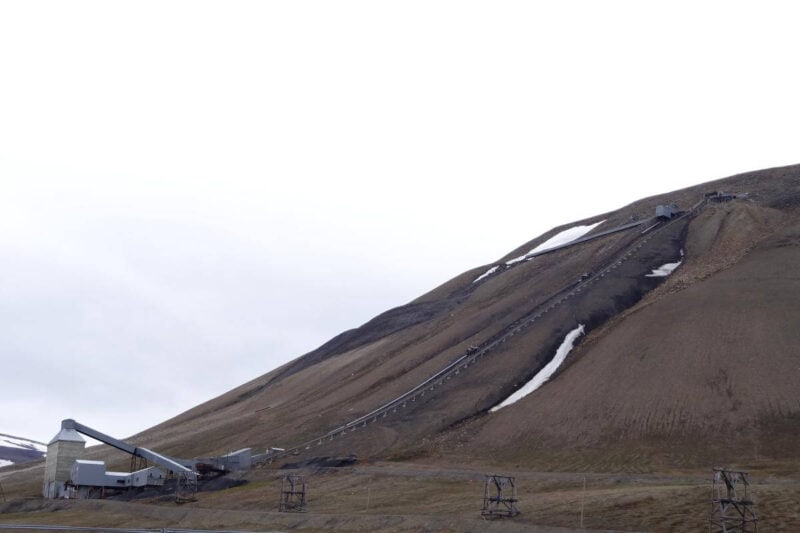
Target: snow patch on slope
487 273
559 239
544 374
665 269
3 463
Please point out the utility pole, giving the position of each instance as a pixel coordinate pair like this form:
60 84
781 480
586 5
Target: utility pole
583 499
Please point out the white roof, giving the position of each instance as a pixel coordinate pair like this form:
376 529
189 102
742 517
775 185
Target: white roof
68 435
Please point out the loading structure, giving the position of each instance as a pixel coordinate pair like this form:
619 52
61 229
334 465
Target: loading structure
90 479
64 470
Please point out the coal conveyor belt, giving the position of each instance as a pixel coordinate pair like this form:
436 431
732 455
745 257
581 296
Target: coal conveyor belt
473 355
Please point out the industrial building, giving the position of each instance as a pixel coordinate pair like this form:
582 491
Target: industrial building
667 211
69 476
90 478
62 451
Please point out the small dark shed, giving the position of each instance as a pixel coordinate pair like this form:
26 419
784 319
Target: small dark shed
666 211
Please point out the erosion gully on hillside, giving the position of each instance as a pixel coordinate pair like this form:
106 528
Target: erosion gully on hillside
674 376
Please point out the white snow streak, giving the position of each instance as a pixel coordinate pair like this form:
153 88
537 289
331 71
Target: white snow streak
665 269
564 237
487 273
544 374
3 463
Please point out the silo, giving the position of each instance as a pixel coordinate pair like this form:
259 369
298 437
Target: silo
61 453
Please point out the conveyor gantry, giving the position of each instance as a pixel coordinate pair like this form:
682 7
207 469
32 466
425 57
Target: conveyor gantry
174 465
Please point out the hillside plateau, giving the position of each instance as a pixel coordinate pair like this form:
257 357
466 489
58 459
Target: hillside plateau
675 373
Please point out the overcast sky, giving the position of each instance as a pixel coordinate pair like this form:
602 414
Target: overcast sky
194 193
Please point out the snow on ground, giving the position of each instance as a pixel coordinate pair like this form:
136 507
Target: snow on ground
665 269
3 463
544 374
486 274
563 237
24 444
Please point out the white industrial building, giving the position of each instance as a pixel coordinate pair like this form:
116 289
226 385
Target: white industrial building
69 476
89 478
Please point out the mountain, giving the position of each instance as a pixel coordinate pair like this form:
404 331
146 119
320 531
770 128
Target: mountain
678 370
653 348
15 450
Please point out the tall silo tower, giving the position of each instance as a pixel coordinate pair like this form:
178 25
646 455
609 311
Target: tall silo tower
61 453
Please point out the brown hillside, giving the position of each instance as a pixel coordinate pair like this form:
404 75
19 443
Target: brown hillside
686 372
703 371
710 350
712 337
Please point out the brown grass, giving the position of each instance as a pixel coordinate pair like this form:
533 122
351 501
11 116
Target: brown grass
425 497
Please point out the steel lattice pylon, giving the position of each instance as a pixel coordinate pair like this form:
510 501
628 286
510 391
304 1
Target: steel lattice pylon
186 488
293 494
499 497
732 511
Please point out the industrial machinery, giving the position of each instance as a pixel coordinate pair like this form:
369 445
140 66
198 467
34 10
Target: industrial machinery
63 462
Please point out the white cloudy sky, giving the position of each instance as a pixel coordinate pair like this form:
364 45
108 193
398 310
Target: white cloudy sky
192 193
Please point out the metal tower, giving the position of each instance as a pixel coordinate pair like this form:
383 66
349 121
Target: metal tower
499 497
732 511
293 494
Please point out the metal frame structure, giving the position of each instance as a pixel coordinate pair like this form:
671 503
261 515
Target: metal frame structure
293 494
732 511
174 465
499 497
185 488
138 463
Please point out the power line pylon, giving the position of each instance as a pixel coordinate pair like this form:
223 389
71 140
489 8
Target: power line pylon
293 494
499 497
732 510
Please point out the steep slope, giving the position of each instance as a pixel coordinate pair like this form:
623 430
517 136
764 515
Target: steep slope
703 371
331 391
669 368
710 350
